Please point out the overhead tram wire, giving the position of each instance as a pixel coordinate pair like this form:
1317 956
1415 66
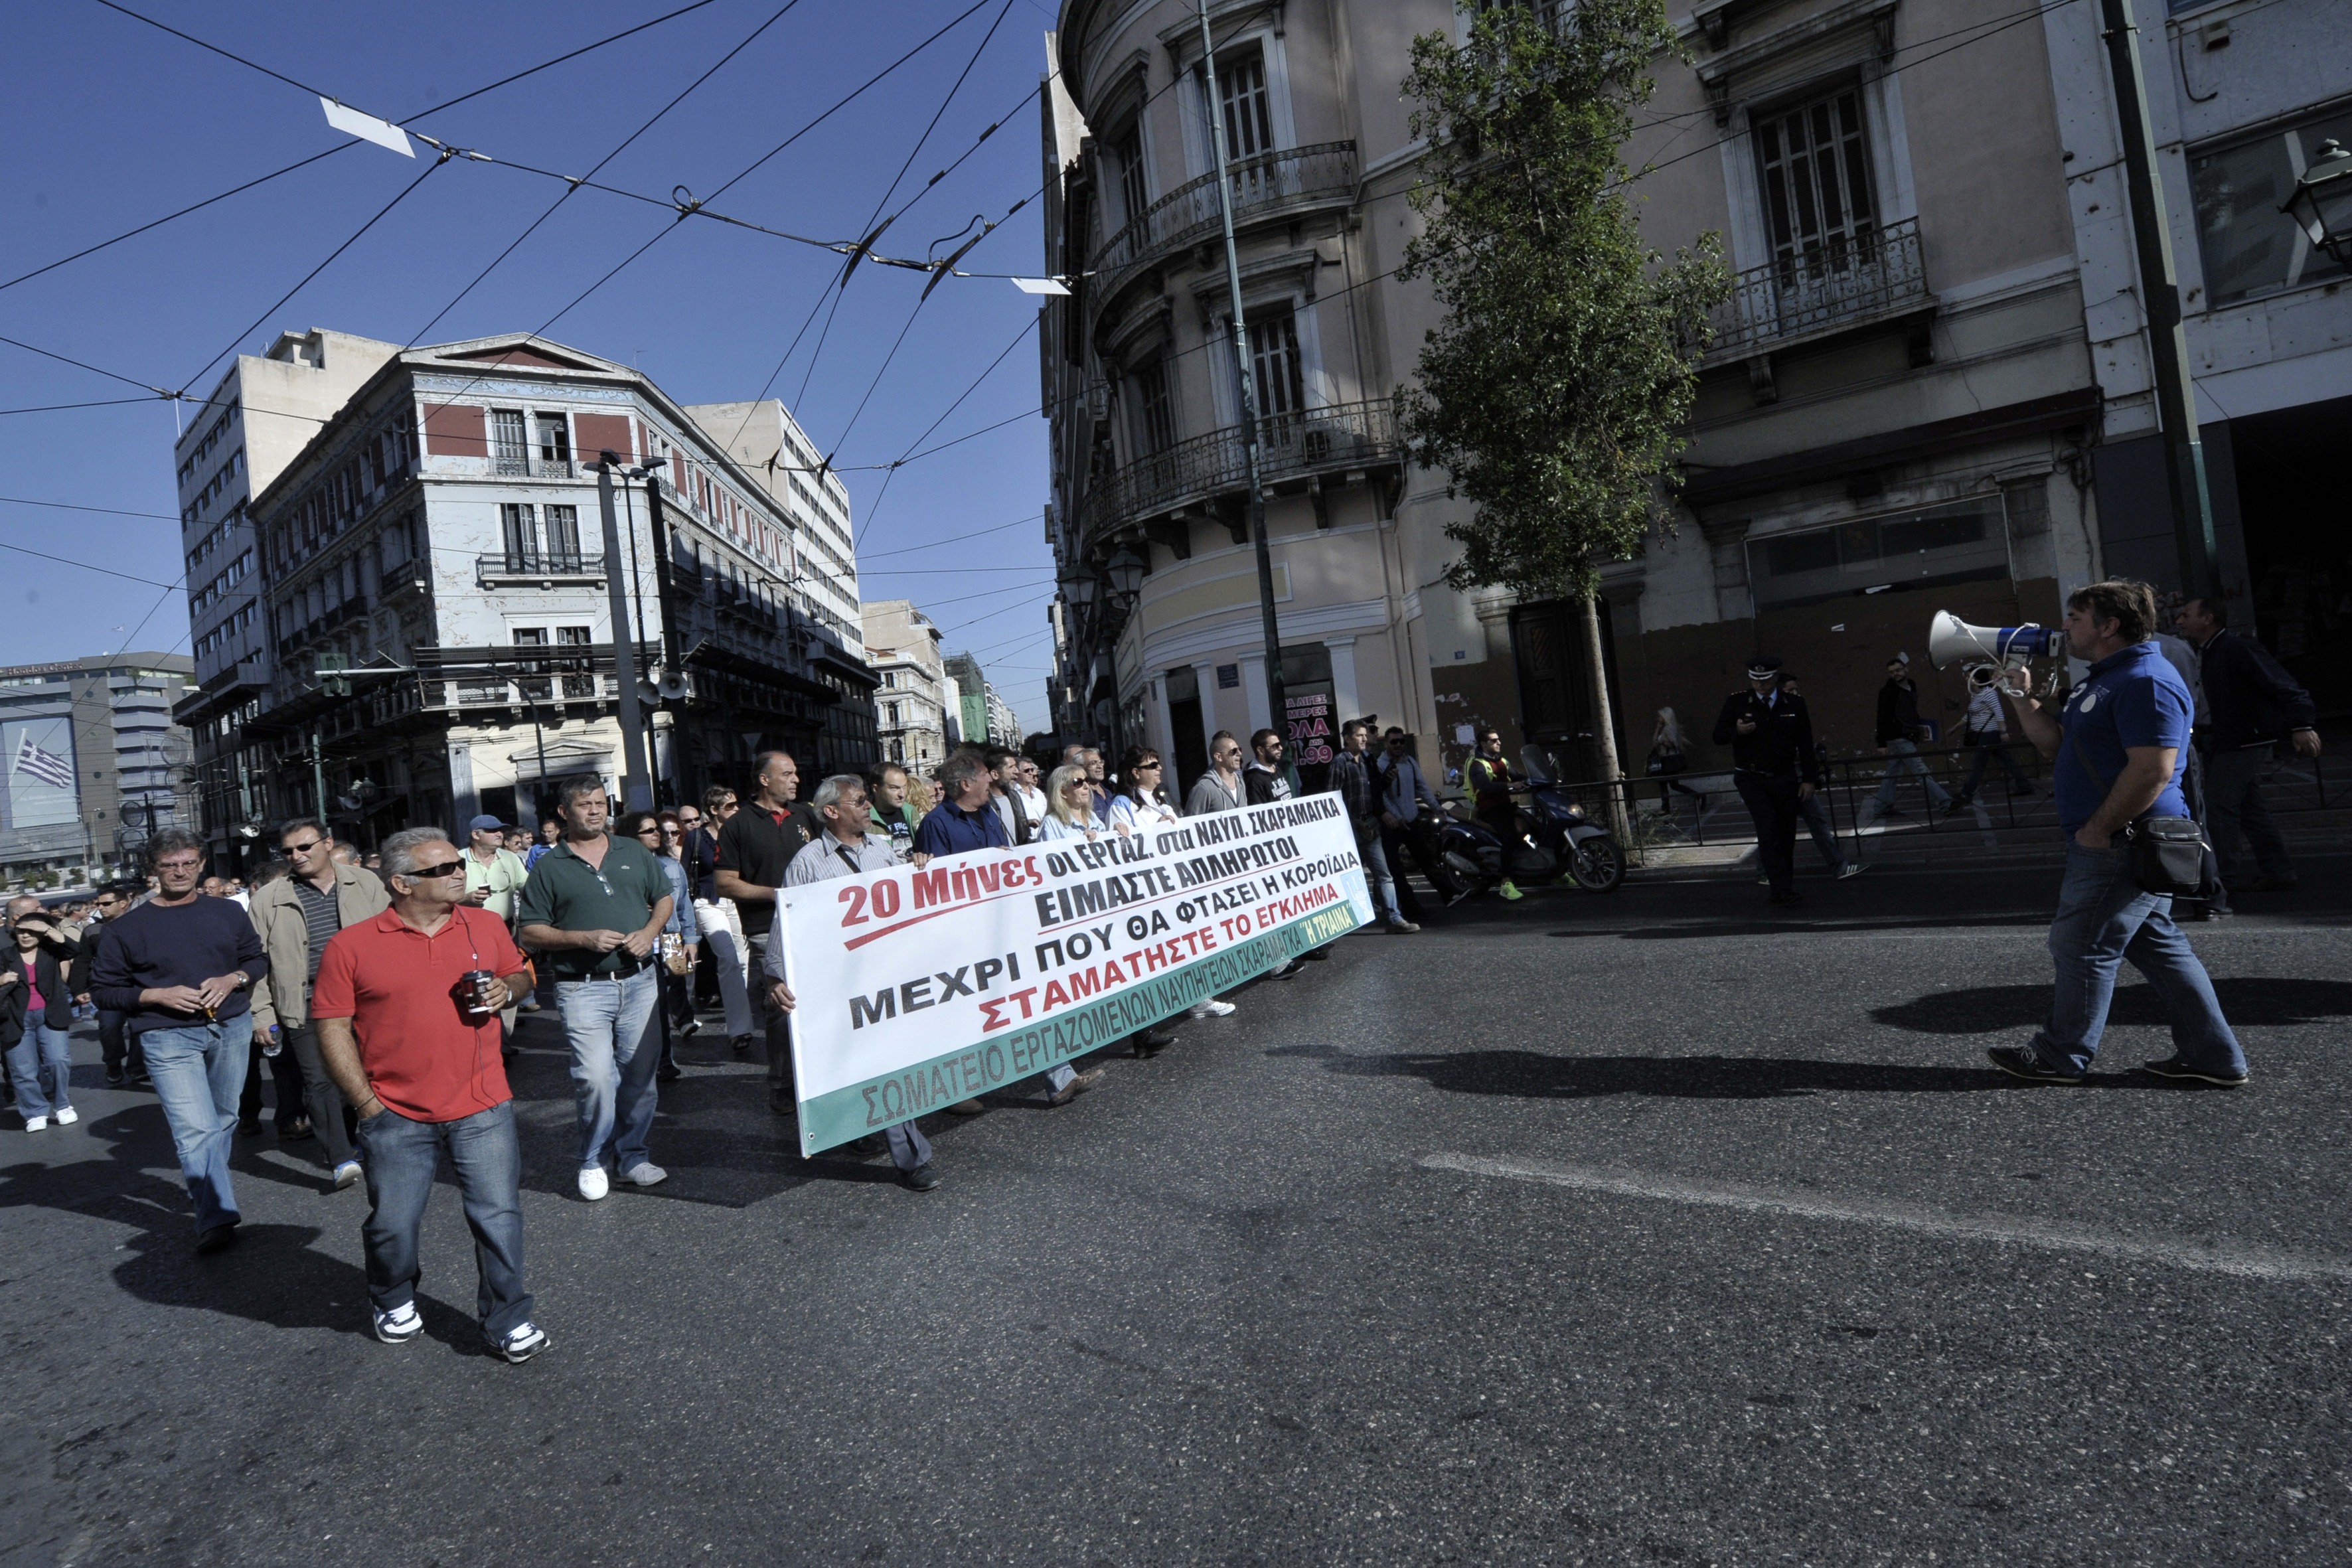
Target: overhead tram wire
60 407
572 188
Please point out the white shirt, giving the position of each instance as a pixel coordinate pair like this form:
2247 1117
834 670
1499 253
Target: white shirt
1140 815
1985 717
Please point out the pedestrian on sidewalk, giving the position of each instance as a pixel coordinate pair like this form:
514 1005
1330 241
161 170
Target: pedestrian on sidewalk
594 909
180 965
1770 733
1985 731
851 847
1813 810
406 1005
2122 731
1359 792
1667 758
1900 731
2254 704
1489 776
755 849
35 1008
296 916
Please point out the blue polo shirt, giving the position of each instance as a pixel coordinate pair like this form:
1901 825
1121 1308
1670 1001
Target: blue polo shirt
948 831
2131 698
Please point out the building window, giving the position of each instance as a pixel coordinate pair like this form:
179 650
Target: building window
510 450
554 439
1134 194
520 524
1249 113
1155 420
890 714
1281 377
1815 166
532 674
2249 246
1963 542
563 534
580 679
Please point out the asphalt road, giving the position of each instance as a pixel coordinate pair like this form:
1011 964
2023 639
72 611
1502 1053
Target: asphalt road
1655 1228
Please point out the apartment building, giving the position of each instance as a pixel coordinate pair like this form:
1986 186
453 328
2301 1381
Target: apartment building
263 411
93 764
1922 392
913 698
436 597
981 717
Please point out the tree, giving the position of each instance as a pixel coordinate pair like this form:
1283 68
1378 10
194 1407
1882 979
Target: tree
1555 390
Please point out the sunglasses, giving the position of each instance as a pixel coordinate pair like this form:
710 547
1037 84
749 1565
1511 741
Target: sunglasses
1140 766
303 848
447 869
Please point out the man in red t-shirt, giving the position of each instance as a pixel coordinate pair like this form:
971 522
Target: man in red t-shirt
409 1032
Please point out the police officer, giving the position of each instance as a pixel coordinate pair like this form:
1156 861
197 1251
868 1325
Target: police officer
1770 734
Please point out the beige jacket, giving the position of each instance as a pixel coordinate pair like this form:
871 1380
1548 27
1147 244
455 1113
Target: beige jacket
286 938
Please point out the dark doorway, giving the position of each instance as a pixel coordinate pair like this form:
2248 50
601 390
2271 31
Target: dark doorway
2298 549
1192 758
1556 696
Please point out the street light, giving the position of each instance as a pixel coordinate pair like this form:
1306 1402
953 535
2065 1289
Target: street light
1078 587
1125 573
636 782
2322 204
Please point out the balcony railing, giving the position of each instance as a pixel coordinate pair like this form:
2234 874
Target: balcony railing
534 467
545 566
1264 186
1873 274
1292 446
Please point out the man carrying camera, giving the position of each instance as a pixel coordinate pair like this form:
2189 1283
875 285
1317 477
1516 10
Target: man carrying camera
2122 734
406 1008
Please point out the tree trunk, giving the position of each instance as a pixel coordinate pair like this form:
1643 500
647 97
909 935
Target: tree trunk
1604 726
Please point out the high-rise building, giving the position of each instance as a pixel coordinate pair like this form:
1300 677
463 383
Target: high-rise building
436 590
913 700
265 410
93 764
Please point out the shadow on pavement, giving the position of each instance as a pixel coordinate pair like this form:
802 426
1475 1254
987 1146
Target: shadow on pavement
272 1275
1765 925
1532 1075
2248 1002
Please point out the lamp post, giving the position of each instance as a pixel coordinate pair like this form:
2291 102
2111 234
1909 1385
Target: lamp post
1078 585
636 784
2322 204
1124 573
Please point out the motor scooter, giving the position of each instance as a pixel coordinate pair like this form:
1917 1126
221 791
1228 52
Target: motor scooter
1554 825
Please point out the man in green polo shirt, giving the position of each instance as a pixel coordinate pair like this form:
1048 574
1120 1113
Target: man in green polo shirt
594 911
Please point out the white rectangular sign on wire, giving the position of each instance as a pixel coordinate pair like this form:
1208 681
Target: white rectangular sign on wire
367 127
914 989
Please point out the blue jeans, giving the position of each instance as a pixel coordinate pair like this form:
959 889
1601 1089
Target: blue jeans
2233 806
198 1071
2103 918
1816 815
1903 762
609 1024
402 1156
1986 756
1376 872
40 1064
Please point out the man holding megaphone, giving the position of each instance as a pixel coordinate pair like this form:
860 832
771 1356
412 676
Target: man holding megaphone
2122 734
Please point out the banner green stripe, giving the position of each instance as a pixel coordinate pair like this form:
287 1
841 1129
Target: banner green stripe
999 1059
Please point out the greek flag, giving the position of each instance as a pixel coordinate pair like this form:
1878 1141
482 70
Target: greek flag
47 766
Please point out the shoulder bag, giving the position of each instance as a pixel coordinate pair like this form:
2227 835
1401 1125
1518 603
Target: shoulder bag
2167 853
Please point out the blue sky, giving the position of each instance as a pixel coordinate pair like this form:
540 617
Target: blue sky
112 124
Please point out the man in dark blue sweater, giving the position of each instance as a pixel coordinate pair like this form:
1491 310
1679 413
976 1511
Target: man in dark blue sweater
179 967
2252 704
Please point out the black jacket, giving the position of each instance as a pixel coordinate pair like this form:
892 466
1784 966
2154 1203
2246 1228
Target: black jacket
15 1000
1782 741
2249 700
1898 711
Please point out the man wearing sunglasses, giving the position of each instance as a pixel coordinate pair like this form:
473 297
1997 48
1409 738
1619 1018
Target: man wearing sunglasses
595 908
406 1006
296 916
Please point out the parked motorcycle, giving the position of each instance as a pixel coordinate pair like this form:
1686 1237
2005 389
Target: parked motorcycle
1461 855
1556 824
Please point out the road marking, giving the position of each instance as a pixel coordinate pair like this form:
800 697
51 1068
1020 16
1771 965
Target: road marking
2245 1262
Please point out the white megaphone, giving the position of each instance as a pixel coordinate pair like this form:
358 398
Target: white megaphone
1988 649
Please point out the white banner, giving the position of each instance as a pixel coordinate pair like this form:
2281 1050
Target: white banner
917 989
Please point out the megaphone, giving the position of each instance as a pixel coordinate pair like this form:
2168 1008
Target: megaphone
674 684
1951 640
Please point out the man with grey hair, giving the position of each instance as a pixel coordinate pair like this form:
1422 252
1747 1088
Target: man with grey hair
180 965
595 907
850 847
406 1005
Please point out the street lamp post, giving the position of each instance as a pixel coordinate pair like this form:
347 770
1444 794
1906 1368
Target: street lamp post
1124 573
636 784
2321 203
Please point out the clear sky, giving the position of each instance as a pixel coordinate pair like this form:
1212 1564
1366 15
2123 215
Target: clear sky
112 124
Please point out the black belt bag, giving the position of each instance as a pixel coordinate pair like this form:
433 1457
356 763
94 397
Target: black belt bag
2167 853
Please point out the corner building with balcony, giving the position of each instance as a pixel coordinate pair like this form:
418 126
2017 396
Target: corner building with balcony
1895 416
441 540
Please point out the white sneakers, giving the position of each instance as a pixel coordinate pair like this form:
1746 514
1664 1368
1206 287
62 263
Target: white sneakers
594 1184
646 1175
37 1124
523 1344
346 1173
1211 1008
399 1325
67 1116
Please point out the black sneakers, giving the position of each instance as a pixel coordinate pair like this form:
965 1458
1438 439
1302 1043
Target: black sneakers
218 1238
922 1179
2181 1070
2022 1062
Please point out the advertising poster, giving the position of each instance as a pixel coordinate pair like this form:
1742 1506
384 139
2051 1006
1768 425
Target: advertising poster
39 757
917 989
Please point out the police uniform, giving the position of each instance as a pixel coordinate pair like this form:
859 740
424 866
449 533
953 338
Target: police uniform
1768 763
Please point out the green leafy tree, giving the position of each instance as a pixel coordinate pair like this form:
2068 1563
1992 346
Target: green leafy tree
1556 389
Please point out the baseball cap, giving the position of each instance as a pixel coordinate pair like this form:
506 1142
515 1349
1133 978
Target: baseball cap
486 823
